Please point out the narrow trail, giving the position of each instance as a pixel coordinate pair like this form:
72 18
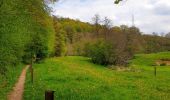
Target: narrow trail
17 92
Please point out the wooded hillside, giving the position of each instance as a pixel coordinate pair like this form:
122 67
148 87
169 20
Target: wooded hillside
104 43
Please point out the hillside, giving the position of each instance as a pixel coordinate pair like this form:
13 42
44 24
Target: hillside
94 57
76 78
106 44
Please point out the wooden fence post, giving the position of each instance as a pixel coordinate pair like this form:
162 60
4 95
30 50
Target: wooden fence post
155 71
32 71
49 95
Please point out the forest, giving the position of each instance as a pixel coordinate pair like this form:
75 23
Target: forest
31 35
103 43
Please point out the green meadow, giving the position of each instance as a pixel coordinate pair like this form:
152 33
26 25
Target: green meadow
77 78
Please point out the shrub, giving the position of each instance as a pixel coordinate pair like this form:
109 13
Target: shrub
100 52
105 53
163 64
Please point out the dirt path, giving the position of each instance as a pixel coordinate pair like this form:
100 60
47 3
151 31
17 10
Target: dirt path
17 92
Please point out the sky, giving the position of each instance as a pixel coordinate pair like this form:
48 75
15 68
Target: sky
149 15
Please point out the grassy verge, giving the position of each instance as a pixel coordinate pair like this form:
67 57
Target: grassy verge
8 81
76 78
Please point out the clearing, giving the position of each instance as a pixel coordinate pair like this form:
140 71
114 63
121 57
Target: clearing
76 78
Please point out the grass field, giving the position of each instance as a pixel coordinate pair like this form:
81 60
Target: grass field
76 78
7 82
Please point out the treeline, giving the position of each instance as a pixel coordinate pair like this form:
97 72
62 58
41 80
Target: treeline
68 33
104 43
155 43
26 31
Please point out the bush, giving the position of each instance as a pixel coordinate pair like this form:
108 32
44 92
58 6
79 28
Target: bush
105 53
100 52
163 64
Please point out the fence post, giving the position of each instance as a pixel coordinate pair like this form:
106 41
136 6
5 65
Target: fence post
155 71
31 70
49 95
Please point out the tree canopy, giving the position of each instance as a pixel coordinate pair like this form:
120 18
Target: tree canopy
25 27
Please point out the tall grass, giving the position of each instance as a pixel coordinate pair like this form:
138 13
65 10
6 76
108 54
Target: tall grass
76 78
8 81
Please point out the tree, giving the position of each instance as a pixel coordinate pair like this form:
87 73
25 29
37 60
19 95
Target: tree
19 26
100 52
36 49
70 33
167 35
60 46
162 34
107 26
96 22
155 34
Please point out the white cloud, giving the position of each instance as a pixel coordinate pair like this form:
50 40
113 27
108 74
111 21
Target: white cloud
150 15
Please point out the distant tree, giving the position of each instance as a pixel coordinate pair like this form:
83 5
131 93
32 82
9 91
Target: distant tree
162 34
107 22
60 46
60 38
167 35
96 21
155 34
156 43
135 40
70 33
107 26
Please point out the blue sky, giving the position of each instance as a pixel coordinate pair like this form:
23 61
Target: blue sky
150 15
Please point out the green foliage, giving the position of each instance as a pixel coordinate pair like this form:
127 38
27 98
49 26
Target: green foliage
20 22
12 33
156 44
60 43
36 48
68 32
122 42
100 52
